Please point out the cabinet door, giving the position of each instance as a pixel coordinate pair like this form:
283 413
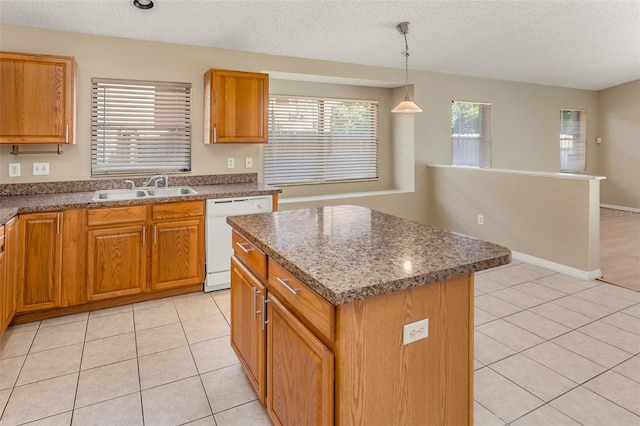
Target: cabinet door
116 261
300 371
11 262
37 98
178 253
236 105
248 337
40 261
3 280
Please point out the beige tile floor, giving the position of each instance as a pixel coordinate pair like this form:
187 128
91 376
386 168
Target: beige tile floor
550 350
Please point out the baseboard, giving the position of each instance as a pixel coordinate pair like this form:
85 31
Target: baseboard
564 269
611 206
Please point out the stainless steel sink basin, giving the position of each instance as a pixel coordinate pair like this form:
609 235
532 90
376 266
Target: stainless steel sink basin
118 194
172 191
133 194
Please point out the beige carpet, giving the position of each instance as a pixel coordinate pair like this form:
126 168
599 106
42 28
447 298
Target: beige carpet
620 247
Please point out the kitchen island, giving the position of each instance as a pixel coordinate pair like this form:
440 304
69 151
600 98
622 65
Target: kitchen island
348 316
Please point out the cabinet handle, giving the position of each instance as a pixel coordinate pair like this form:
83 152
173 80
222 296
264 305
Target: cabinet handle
242 246
215 134
263 313
66 135
57 223
155 234
144 236
255 304
285 283
2 245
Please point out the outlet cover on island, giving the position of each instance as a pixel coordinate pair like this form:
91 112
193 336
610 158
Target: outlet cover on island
415 331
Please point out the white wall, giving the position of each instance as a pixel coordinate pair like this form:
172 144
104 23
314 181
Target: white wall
525 116
619 154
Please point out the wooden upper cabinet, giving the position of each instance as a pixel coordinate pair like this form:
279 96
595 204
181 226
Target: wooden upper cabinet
235 107
37 99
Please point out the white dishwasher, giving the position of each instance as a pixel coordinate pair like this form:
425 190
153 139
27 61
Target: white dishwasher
219 250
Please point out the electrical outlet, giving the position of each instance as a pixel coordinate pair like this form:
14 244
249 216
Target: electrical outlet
480 219
415 331
248 162
14 169
231 163
40 169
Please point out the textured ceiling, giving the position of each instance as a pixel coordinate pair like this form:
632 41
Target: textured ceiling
576 43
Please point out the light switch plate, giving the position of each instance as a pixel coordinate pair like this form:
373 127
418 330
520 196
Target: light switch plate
40 169
248 162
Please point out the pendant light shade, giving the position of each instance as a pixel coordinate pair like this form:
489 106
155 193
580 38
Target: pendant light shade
407 106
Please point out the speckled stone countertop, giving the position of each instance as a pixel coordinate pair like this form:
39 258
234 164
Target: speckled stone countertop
42 197
348 253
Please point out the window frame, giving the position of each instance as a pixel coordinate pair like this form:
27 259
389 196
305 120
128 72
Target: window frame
140 127
330 147
484 138
582 140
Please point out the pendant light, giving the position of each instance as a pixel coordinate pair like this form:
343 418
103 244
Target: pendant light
407 106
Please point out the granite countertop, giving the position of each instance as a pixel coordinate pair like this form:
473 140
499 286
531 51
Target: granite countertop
348 253
30 198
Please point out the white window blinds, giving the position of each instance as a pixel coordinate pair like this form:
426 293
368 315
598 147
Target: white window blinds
318 140
471 134
140 127
573 124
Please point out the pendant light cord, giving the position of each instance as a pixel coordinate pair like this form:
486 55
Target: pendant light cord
406 66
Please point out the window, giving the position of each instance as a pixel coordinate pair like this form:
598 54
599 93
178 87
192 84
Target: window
573 125
140 127
317 140
471 134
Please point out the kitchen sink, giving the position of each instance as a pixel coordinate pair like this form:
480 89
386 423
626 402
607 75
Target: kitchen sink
135 194
171 191
118 194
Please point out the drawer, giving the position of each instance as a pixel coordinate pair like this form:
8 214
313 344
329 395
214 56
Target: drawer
312 309
114 215
175 210
250 255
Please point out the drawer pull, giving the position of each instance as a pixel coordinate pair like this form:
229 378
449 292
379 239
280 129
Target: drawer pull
263 312
285 283
244 249
255 307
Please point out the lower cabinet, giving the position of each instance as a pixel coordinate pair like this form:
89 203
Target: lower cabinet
248 298
347 364
177 247
3 280
289 367
116 261
116 251
140 248
300 371
9 255
40 261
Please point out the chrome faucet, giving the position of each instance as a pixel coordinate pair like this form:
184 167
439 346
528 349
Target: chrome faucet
156 179
132 183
